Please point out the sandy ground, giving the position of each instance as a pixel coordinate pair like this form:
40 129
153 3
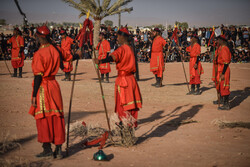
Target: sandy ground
162 141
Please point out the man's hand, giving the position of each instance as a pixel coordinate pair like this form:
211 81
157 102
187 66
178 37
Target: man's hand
96 61
79 52
222 77
19 55
195 66
33 102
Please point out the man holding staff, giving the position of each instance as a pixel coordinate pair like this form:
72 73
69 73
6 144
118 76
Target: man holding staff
103 48
127 93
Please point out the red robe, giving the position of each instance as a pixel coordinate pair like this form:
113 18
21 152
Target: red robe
103 48
224 57
67 56
215 66
49 111
194 73
127 92
16 42
157 59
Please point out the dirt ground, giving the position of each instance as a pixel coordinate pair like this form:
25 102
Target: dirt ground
162 139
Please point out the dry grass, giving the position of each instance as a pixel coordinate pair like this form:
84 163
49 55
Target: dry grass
227 124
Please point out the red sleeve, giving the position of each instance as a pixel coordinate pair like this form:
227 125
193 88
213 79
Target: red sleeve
117 54
107 47
226 55
10 40
188 49
37 64
98 46
197 50
21 41
163 42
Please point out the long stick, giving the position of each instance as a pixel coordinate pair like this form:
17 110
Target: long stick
6 64
70 104
185 73
100 83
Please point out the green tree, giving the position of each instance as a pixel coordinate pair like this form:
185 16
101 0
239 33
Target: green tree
99 11
2 21
181 24
108 23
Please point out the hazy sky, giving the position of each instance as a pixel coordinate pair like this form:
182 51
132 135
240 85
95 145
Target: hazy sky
146 12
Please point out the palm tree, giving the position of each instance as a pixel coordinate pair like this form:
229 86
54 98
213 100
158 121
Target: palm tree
98 11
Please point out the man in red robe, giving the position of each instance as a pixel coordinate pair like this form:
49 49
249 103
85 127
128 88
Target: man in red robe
127 93
47 104
104 49
222 77
66 43
157 65
195 68
17 52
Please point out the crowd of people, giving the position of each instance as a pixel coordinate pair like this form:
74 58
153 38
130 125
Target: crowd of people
238 42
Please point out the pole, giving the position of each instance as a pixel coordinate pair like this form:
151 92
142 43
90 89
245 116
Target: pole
185 73
70 104
6 64
100 83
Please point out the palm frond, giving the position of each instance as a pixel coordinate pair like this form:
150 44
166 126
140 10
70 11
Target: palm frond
89 4
73 4
120 11
105 4
117 5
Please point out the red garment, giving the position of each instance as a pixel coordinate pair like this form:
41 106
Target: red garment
224 57
67 56
86 33
51 130
103 48
157 59
127 92
16 42
195 74
49 110
215 65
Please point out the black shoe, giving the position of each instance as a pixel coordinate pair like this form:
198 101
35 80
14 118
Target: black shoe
107 78
45 154
64 79
155 81
224 107
69 76
158 83
15 73
197 92
192 90
47 151
20 72
58 152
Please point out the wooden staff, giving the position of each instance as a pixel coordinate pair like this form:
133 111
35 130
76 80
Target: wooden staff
185 74
70 104
6 65
100 83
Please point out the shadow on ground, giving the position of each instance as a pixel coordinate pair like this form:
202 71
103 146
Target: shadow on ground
238 96
167 125
7 146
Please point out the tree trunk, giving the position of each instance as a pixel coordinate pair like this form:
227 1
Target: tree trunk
97 26
119 20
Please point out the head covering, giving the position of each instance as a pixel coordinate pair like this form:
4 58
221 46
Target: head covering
222 37
157 29
124 32
62 32
42 31
16 29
